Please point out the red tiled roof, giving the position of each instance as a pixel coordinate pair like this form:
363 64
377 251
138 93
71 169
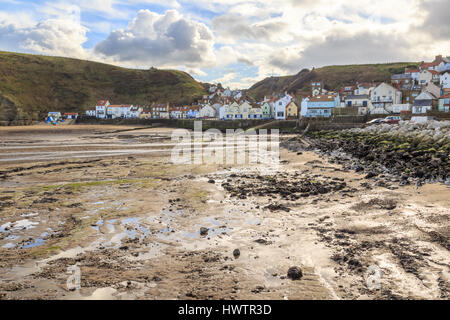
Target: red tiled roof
411 70
120 105
426 65
102 102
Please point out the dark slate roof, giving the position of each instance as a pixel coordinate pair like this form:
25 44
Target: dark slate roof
357 96
422 103
401 76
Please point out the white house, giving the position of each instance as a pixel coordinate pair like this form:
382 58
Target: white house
444 80
207 112
134 112
423 102
425 77
279 107
361 100
414 73
304 107
383 97
101 108
90 113
118 111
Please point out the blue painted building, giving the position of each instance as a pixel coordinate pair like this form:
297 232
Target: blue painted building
321 105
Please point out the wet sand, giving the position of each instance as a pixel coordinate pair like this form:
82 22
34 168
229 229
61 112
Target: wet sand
110 202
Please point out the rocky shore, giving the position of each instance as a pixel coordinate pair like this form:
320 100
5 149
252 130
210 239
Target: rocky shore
389 154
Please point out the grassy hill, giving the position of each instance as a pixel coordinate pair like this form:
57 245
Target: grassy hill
334 78
32 85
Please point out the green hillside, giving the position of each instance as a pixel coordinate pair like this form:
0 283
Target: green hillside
334 78
32 85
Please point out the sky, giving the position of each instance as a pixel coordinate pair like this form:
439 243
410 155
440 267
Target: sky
234 42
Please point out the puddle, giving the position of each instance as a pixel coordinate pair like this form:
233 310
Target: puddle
31 214
24 224
36 243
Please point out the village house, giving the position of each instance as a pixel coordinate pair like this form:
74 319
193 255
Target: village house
414 73
437 65
70 115
159 111
227 112
444 103
304 107
425 77
118 111
346 91
134 112
423 103
101 108
265 107
410 92
206 112
243 111
291 111
145 114
383 97
398 80
444 80
176 112
433 89
91 112
364 88
279 106
255 113
192 111
321 105
316 88
361 100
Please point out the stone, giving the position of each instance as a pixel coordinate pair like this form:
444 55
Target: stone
295 273
204 231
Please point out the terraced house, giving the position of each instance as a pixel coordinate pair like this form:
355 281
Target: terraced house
444 103
159 111
321 105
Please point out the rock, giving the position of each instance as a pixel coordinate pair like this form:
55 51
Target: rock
236 253
295 273
204 231
263 241
370 175
211 181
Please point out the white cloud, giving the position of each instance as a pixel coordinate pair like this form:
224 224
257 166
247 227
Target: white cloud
52 36
162 40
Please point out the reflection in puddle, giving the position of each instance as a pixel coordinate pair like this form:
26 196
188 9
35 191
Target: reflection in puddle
36 243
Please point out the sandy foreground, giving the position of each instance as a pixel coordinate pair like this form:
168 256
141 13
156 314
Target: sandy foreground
107 201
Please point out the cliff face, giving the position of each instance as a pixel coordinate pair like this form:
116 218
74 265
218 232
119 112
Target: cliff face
8 111
32 85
